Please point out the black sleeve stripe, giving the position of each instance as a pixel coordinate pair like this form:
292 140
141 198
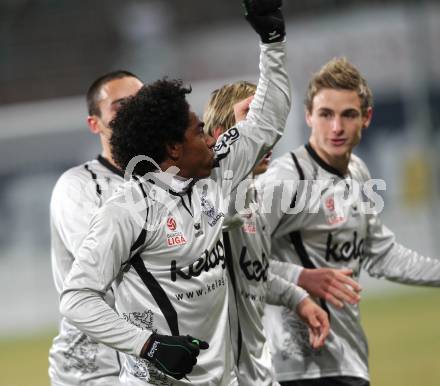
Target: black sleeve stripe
298 166
230 267
158 294
141 238
95 179
297 242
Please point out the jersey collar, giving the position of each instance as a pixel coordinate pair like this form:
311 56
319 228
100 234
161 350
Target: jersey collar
106 163
321 162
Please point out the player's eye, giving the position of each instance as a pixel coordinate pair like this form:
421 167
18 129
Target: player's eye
351 114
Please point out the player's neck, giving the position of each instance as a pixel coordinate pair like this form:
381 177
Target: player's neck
338 162
106 153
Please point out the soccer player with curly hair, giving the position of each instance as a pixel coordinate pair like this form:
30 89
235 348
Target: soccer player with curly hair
158 240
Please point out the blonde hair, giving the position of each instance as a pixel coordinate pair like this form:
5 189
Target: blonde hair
339 74
219 111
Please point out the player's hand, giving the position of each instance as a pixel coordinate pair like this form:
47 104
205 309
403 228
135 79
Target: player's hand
173 355
266 18
242 108
317 321
333 285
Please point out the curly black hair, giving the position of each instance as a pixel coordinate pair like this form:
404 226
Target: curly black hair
156 116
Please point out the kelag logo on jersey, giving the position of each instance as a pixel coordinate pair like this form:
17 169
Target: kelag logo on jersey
349 250
209 259
254 270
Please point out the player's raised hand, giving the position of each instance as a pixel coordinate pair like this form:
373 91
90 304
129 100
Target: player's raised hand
242 108
333 285
317 321
266 18
173 355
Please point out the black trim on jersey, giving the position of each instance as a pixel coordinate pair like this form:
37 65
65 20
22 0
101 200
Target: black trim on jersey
118 358
106 163
321 162
220 157
298 244
142 236
230 267
95 179
298 167
296 238
158 293
180 195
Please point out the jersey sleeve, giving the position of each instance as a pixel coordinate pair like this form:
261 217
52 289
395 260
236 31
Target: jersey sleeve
241 147
72 205
384 257
282 293
97 263
278 187
73 202
287 271
387 258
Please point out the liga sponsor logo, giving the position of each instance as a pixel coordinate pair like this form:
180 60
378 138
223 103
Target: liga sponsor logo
171 224
175 238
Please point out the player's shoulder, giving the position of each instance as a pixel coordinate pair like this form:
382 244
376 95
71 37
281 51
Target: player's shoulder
291 165
75 178
79 174
357 165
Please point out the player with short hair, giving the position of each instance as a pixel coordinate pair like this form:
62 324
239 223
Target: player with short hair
74 358
330 219
247 251
158 240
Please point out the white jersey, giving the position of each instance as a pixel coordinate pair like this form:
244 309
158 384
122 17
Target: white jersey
74 358
161 245
331 236
254 282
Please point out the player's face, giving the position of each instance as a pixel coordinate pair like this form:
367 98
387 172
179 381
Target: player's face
337 122
197 154
111 97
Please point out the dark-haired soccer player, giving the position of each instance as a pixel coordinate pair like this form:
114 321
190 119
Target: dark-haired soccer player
75 358
159 240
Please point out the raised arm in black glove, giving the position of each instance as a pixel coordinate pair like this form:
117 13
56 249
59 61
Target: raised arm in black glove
173 355
266 18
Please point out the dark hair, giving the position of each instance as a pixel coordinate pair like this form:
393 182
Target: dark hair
156 116
95 89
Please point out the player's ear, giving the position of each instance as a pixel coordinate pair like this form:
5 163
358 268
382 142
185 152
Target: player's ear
93 123
174 150
367 118
308 116
217 132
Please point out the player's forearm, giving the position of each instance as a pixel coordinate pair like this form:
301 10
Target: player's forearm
271 104
280 292
287 271
91 314
403 265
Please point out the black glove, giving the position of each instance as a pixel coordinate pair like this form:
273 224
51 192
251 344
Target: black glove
266 19
173 355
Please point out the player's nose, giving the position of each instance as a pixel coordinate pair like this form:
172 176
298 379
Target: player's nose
337 127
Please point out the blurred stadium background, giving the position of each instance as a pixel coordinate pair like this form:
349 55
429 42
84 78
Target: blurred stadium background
50 51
